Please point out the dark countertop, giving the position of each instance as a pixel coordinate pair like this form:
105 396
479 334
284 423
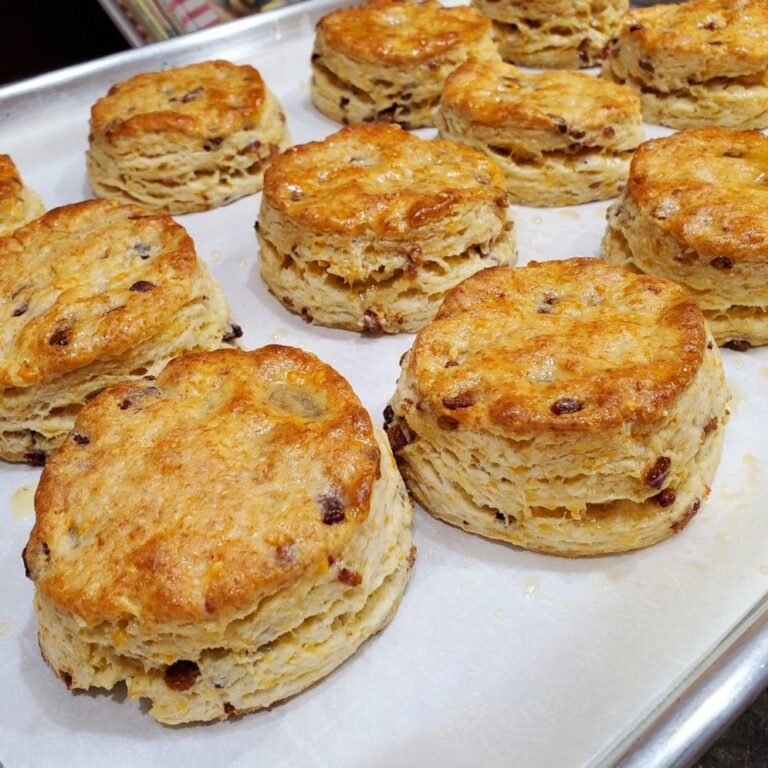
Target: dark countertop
41 38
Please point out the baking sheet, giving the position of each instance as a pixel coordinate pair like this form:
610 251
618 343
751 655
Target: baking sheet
497 656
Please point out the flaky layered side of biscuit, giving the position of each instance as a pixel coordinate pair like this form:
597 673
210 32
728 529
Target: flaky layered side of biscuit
564 35
699 63
93 294
571 409
307 562
187 139
368 229
386 61
693 211
561 138
18 203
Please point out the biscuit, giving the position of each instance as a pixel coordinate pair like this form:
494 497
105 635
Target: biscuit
387 60
695 210
18 203
570 407
91 294
369 228
700 63
565 34
186 139
241 529
561 138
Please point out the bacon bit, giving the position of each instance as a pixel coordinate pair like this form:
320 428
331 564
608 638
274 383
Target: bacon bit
229 709
333 509
285 554
36 458
721 262
635 27
181 675
350 578
212 142
451 364
399 437
389 416
67 678
658 473
738 345
306 315
191 95
666 498
710 25
371 322
20 310
646 65
411 557
582 51
711 425
142 286
609 132
464 400
60 337
27 572
709 345
233 332
210 605
81 439
678 525
565 405
448 423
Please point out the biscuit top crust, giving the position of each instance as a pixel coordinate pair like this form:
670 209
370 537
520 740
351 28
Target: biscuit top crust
707 188
698 39
567 107
87 282
573 345
194 496
207 100
400 32
10 188
380 179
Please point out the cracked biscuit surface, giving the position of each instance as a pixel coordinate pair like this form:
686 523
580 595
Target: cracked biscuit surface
699 63
91 294
571 407
387 60
185 139
18 203
367 229
561 138
219 538
564 34
694 210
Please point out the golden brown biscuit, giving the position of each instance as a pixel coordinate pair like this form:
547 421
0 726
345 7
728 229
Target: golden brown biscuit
18 203
561 138
569 407
699 63
369 228
240 530
387 60
186 139
695 210
564 34
91 294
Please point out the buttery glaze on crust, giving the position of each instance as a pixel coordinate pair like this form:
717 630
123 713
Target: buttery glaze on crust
86 282
379 179
397 32
232 475
707 189
698 39
18 204
205 100
510 348
554 110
